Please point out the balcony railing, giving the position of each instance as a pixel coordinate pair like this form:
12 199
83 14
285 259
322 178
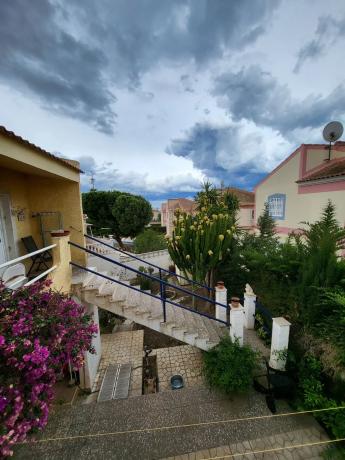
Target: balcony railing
15 281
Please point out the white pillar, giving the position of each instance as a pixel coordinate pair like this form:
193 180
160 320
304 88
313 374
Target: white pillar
221 297
249 307
236 320
279 343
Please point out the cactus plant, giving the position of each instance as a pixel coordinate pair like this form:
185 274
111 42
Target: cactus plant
199 242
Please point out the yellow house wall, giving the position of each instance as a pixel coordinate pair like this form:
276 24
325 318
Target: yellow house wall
62 196
15 185
298 207
35 194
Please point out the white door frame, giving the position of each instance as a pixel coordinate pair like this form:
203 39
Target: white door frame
8 228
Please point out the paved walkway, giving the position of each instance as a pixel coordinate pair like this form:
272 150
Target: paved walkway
93 431
184 360
277 447
121 348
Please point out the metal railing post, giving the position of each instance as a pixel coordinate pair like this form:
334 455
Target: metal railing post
162 292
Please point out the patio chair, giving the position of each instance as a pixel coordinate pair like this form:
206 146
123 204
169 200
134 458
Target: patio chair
274 384
38 260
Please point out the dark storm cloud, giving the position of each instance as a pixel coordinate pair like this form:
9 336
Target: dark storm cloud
256 96
38 56
71 53
328 31
139 34
217 152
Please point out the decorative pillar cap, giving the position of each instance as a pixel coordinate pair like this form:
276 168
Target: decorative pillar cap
235 302
220 285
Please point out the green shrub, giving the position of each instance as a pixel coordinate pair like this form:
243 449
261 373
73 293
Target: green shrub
312 395
230 367
334 453
149 241
144 281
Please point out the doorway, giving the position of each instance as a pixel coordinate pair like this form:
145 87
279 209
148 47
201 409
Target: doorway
7 245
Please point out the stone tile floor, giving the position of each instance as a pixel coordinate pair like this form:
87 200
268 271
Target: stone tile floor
184 360
278 447
122 348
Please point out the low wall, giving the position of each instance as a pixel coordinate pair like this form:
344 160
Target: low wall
91 361
160 258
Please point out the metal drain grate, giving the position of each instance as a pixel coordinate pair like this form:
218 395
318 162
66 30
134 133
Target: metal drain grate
115 383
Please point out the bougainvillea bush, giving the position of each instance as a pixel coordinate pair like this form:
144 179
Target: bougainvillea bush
40 331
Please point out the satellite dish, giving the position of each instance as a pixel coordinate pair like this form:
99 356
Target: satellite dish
333 131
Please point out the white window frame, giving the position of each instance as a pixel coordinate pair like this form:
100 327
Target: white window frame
276 206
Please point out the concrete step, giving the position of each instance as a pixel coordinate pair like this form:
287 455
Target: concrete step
95 281
107 286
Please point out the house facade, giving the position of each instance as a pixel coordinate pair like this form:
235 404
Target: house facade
39 193
40 197
299 188
246 200
245 215
168 211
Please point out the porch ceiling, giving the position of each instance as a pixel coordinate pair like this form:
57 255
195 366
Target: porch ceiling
26 168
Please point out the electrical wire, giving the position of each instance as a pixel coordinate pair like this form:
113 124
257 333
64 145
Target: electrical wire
187 425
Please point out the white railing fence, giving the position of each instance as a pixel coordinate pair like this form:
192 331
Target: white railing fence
12 273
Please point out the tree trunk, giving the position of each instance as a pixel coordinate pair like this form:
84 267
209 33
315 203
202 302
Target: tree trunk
118 239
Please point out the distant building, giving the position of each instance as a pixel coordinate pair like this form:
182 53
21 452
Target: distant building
245 215
168 209
247 206
156 216
299 188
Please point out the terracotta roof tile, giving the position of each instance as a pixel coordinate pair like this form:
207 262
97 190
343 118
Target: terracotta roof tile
334 168
244 196
11 135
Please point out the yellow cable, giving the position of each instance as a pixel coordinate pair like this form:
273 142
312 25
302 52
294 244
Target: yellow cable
275 449
189 425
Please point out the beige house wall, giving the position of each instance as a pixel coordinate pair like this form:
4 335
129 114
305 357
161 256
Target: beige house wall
282 181
316 157
299 207
244 216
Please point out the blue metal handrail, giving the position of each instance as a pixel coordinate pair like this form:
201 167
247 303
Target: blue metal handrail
210 289
161 281
149 294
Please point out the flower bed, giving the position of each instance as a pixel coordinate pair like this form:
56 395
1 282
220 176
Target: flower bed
40 331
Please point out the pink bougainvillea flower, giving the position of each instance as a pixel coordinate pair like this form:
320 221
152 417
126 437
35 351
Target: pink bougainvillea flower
40 330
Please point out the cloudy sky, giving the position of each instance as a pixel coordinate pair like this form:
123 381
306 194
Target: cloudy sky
154 96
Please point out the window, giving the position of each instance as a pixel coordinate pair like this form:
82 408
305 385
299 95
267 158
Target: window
276 206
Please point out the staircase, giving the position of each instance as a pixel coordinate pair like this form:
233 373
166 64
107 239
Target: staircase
107 290
181 324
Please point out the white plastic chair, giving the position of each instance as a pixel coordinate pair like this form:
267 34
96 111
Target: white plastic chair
14 276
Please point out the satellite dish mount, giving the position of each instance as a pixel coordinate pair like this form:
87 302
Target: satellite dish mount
331 133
